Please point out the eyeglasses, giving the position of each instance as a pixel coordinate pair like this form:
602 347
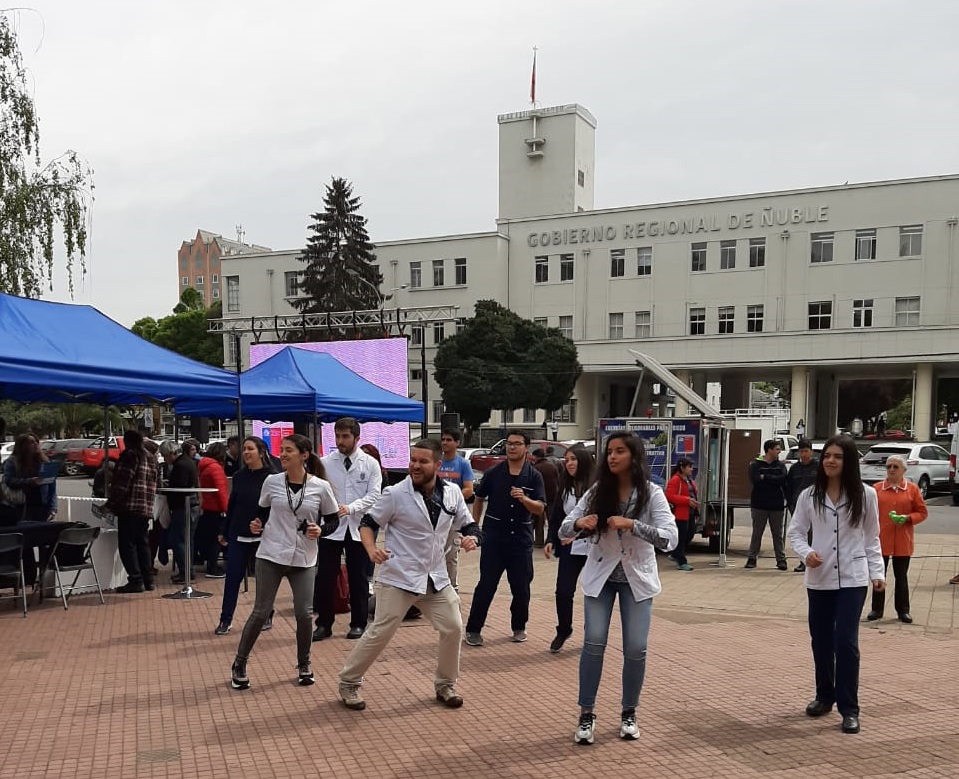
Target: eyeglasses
516 443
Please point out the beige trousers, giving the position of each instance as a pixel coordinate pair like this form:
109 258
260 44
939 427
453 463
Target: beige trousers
452 556
442 609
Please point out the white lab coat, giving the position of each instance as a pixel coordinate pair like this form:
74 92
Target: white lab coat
357 489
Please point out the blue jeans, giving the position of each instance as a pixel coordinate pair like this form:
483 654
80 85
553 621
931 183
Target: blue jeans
635 617
834 629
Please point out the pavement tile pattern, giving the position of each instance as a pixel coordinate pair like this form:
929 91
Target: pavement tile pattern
140 688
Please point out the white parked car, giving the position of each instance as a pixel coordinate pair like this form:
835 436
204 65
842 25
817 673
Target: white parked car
5 451
927 464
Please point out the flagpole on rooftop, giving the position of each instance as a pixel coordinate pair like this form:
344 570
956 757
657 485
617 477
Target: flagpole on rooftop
532 90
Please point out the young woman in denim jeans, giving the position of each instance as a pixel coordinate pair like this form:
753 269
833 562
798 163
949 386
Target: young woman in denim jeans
626 518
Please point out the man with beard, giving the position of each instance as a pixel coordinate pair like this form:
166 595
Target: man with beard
416 515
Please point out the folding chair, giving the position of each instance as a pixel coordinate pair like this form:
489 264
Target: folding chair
11 543
74 544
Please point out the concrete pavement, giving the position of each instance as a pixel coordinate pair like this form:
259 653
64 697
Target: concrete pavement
140 688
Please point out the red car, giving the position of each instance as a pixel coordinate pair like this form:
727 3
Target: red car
91 457
480 463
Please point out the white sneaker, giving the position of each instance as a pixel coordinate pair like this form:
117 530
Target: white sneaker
629 729
519 636
587 726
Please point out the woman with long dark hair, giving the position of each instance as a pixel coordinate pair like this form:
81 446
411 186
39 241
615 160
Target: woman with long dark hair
242 508
30 500
292 506
626 518
574 480
842 559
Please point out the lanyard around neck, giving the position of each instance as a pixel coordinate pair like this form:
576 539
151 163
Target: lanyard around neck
300 496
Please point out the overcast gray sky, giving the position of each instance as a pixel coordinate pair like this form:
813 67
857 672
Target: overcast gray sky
213 113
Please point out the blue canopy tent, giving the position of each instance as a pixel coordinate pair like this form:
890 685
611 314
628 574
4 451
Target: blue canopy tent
60 352
296 383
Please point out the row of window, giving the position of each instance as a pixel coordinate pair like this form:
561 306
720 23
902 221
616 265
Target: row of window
623 261
418 332
439 273
198 281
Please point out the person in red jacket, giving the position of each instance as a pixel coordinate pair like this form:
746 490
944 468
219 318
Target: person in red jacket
683 498
213 507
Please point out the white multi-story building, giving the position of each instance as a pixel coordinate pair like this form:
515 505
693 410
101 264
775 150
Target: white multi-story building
814 287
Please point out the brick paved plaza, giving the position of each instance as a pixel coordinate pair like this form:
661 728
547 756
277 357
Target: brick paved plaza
140 688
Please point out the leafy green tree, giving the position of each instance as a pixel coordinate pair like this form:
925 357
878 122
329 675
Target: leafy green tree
900 416
185 331
500 360
57 420
36 199
339 273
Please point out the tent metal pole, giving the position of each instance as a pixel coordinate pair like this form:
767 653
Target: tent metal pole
316 433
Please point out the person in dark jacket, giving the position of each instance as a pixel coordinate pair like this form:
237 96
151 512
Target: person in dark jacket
767 502
550 476
242 508
801 475
183 473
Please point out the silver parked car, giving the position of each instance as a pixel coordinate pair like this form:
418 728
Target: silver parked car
928 464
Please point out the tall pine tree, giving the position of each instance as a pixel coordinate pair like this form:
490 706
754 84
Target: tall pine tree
339 273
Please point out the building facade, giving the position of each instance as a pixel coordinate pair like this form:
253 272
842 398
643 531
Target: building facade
814 288
198 263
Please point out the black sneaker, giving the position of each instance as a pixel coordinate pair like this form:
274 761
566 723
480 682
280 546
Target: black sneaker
782 566
240 680
131 587
217 573
557 643
628 728
750 563
268 624
222 629
304 674
801 568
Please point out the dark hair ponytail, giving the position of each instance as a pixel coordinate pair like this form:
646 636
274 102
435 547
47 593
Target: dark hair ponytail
312 463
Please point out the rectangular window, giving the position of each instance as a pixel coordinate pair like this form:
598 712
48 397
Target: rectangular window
567 413
566 267
644 324
459 266
416 275
566 326
438 411
910 241
529 416
757 252
199 281
698 257
821 247
232 293
727 319
216 292
907 312
460 324
439 332
862 312
581 178
416 375
230 353
820 315
697 321
214 279
727 255
541 269
542 321
615 326
507 415
644 261
186 281
416 335
754 319
291 284
617 263
438 273
865 245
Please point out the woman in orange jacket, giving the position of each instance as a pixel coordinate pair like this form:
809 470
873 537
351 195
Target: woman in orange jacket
684 501
901 507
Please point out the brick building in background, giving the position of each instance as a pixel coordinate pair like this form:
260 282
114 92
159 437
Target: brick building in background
198 262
